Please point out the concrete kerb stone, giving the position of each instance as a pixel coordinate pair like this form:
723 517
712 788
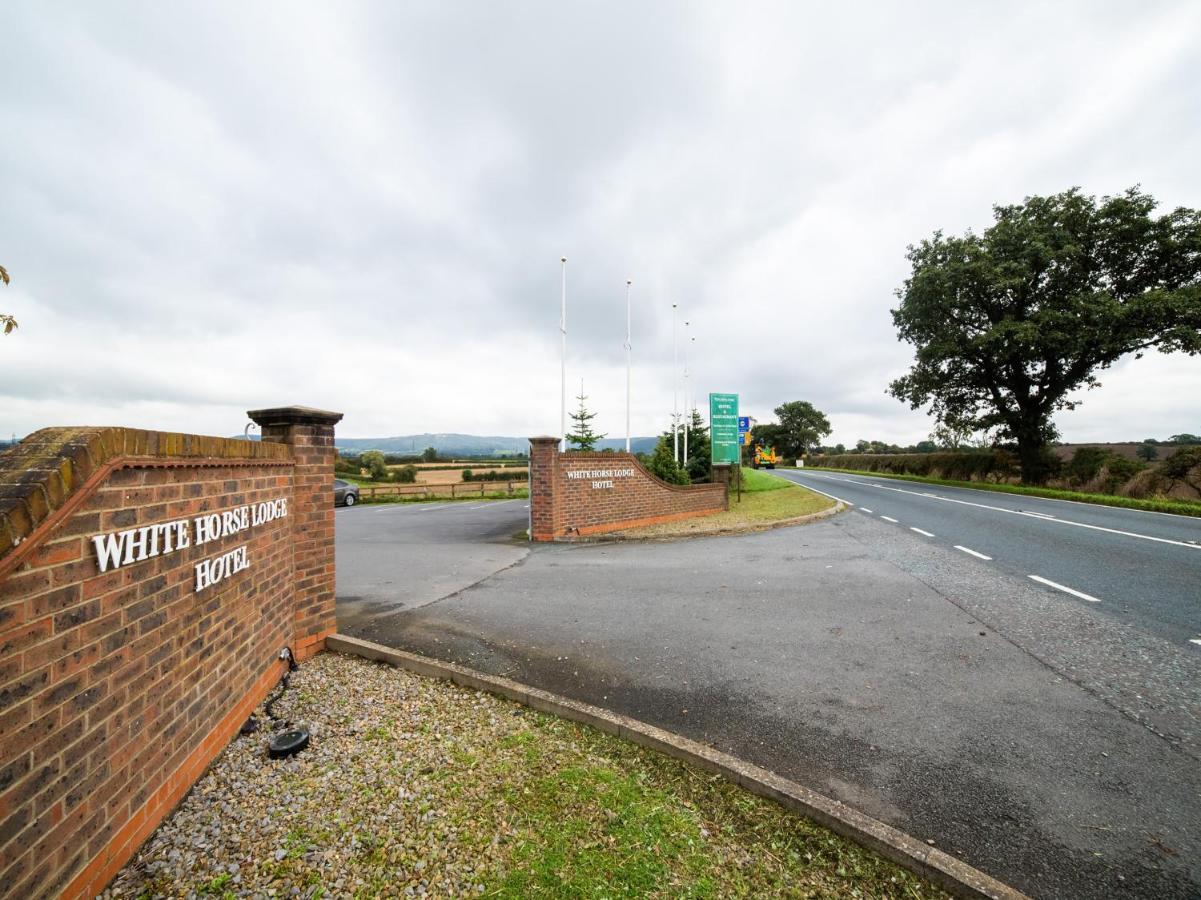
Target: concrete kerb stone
941 868
619 536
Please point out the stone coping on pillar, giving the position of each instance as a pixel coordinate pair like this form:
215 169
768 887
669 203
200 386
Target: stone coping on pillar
293 415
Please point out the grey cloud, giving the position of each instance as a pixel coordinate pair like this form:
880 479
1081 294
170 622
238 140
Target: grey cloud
315 199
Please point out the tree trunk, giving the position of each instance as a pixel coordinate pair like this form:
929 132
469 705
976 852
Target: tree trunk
1032 454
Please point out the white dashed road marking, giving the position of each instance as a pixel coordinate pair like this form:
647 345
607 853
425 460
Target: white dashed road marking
864 509
1194 640
919 531
1066 590
889 519
1042 517
972 552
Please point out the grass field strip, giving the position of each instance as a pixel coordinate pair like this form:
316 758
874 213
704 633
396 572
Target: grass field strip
1039 517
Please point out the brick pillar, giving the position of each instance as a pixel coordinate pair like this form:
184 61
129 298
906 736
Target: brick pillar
544 472
309 433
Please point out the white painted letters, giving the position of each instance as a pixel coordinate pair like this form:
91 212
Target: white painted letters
134 545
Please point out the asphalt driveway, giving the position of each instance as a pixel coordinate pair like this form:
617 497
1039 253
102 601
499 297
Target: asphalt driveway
904 678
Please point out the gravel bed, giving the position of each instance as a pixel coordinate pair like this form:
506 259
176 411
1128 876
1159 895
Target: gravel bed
416 787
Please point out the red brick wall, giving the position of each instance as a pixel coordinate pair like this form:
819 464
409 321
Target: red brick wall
572 496
118 688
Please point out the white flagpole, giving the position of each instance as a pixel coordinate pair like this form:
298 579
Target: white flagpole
687 387
628 349
675 388
563 361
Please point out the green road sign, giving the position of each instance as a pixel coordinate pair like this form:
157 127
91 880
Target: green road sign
723 427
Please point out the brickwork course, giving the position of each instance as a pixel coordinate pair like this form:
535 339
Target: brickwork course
566 502
118 688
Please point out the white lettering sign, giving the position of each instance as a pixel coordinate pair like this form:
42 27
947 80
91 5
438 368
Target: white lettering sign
133 545
212 571
597 476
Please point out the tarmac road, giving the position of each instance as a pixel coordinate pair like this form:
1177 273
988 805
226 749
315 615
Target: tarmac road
1142 568
1052 745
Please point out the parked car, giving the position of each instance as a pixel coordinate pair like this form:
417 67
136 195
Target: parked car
345 493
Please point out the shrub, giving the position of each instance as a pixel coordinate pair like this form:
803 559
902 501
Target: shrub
468 475
981 465
405 474
662 463
1177 465
1086 464
1119 470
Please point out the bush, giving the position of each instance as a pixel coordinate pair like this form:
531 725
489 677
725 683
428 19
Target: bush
468 475
405 475
981 465
662 463
1177 465
1086 464
1119 470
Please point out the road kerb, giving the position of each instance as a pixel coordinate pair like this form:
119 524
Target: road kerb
943 869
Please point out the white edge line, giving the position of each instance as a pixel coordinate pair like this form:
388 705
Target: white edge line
1037 517
823 493
919 531
889 519
860 479
1066 590
972 552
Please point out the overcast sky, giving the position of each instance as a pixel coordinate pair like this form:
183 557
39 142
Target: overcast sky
209 207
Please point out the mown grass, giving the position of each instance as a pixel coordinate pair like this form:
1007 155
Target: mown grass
754 480
592 816
766 500
1178 507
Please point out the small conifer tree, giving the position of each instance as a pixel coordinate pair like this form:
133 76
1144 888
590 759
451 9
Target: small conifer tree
582 437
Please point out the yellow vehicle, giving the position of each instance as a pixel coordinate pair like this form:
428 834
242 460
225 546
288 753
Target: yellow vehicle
765 457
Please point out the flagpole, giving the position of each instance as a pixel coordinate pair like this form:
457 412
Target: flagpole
628 349
687 422
675 388
563 360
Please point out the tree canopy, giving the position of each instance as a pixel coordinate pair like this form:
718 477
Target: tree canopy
1008 323
800 430
7 323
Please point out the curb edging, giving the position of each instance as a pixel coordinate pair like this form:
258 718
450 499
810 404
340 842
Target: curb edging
941 868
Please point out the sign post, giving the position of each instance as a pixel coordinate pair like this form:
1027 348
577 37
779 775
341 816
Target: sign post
723 430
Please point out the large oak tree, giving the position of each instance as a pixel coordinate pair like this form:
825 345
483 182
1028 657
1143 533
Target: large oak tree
1007 324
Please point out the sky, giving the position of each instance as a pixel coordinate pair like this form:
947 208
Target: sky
215 207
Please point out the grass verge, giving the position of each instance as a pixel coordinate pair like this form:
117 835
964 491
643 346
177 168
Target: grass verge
766 501
416 786
1178 507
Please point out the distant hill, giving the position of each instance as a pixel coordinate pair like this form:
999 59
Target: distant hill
453 445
